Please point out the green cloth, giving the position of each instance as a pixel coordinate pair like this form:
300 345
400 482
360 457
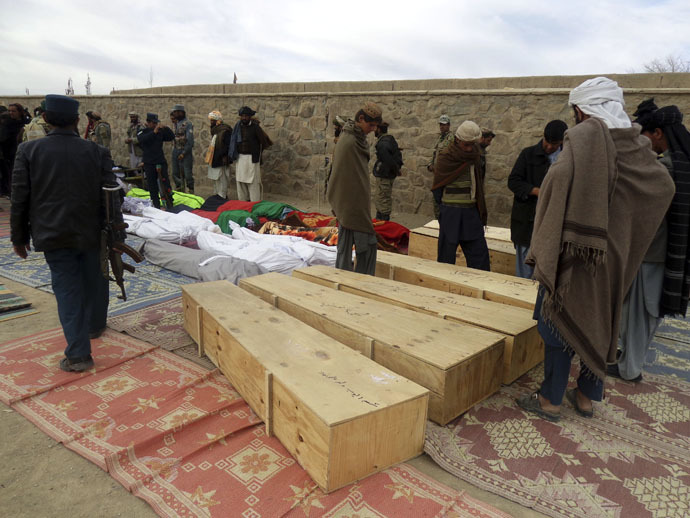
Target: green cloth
238 216
180 198
271 209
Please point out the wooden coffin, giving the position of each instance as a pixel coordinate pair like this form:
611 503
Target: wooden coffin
339 414
459 364
496 287
424 244
524 347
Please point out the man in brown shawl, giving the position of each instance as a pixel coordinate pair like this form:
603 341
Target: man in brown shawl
589 240
349 192
463 210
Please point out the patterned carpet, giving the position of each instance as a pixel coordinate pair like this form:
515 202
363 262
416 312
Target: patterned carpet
159 324
631 459
13 306
150 284
182 439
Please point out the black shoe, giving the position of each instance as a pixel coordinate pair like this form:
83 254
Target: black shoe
96 334
614 371
76 364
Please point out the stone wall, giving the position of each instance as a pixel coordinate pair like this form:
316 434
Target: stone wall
300 124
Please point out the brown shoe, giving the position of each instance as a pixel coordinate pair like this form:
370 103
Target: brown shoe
77 364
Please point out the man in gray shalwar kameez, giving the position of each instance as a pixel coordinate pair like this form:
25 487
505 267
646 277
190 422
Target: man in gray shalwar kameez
645 305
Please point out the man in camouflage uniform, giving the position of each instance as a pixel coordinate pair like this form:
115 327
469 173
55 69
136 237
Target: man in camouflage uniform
135 151
445 137
38 127
182 157
101 130
386 170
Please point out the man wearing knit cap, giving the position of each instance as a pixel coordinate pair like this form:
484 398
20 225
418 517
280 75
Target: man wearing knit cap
458 175
247 143
217 154
599 208
662 284
349 192
445 137
69 234
183 150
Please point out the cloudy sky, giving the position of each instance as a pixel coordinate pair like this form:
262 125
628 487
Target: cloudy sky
119 42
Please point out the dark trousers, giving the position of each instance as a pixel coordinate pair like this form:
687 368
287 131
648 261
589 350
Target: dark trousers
152 184
365 251
182 170
5 177
82 295
462 226
557 361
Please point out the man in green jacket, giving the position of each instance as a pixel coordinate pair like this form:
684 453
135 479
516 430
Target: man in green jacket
349 192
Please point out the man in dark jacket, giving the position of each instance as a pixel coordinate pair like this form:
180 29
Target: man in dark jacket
57 202
386 169
217 154
246 146
525 180
151 140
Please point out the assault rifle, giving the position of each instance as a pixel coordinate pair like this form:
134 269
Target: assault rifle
113 242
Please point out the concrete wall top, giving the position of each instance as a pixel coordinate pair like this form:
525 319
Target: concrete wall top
628 81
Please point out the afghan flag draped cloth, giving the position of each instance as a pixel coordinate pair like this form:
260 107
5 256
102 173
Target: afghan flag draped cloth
599 208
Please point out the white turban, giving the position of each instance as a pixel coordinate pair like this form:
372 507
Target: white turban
468 131
602 98
215 115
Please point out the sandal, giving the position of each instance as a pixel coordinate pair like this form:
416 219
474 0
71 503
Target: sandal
531 404
571 396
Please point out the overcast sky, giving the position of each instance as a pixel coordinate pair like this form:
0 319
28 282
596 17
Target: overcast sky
118 42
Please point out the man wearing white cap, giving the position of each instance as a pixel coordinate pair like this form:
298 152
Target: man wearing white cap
458 174
590 236
445 137
217 154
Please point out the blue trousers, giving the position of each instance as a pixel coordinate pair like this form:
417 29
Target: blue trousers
521 269
557 362
182 170
82 296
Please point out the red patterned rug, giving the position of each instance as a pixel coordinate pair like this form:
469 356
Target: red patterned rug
159 324
181 438
631 459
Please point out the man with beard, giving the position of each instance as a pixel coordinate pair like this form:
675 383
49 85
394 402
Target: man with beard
386 170
445 137
183 147
217 154
247 143
662 284
599 207
151 139
463 214
349 192
135 151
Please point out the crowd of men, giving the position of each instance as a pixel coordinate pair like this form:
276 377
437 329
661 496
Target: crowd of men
600 216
